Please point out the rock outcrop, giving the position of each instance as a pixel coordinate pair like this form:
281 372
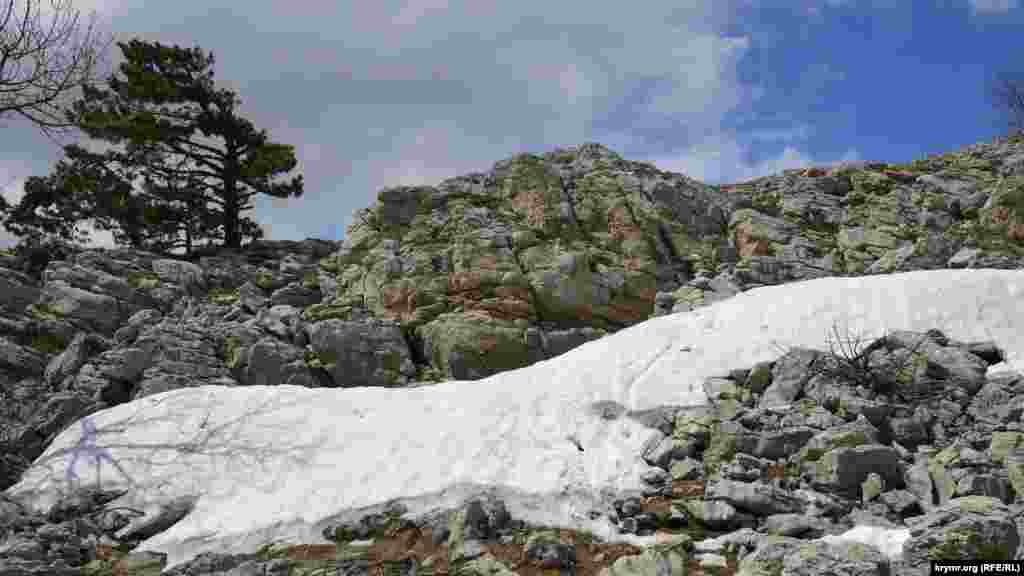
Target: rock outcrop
738 486
491 272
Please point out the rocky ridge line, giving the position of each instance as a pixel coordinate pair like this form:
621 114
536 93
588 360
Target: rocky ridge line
491 272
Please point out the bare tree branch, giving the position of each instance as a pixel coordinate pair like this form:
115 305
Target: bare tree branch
62 62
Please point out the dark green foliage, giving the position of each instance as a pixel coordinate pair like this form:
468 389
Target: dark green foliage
163 113
35 251
53 205
165 110
84 186
48 344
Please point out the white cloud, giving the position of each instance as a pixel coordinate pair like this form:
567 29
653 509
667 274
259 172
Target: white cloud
702 79
814 6
11 189
414 91
414 10
422 158
799 132
98 238
66 9
992 6
720 160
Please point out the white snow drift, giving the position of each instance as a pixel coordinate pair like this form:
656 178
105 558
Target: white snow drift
268 463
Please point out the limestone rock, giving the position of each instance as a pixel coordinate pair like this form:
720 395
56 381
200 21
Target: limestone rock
185 274
270 362
845 469
20 360
755 497
296 294
84 346
488 272
17 290
976 527
362 354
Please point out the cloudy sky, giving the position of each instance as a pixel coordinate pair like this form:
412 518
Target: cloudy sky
387 92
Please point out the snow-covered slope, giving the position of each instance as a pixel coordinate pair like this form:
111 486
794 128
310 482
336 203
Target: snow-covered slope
280 462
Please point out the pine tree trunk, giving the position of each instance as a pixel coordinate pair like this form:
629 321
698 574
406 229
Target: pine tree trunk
232 238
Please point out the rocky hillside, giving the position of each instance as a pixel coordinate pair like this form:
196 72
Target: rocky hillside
488 272
494 271
480 274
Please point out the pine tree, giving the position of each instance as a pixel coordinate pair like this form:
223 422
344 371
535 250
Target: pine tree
84 186
171 144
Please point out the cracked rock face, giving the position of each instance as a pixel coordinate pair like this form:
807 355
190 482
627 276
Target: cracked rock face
494 271
581 237
570 239
713 496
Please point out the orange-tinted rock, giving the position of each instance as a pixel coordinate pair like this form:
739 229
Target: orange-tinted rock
748 244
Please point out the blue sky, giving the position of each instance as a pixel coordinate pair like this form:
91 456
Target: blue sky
382 93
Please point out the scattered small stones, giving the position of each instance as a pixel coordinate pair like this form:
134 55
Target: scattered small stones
790 455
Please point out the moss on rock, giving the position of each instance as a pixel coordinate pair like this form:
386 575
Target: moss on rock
43 311
223 296
232 352
48 344
1010 193
338 309
311 281
142 280
264 279
324 359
